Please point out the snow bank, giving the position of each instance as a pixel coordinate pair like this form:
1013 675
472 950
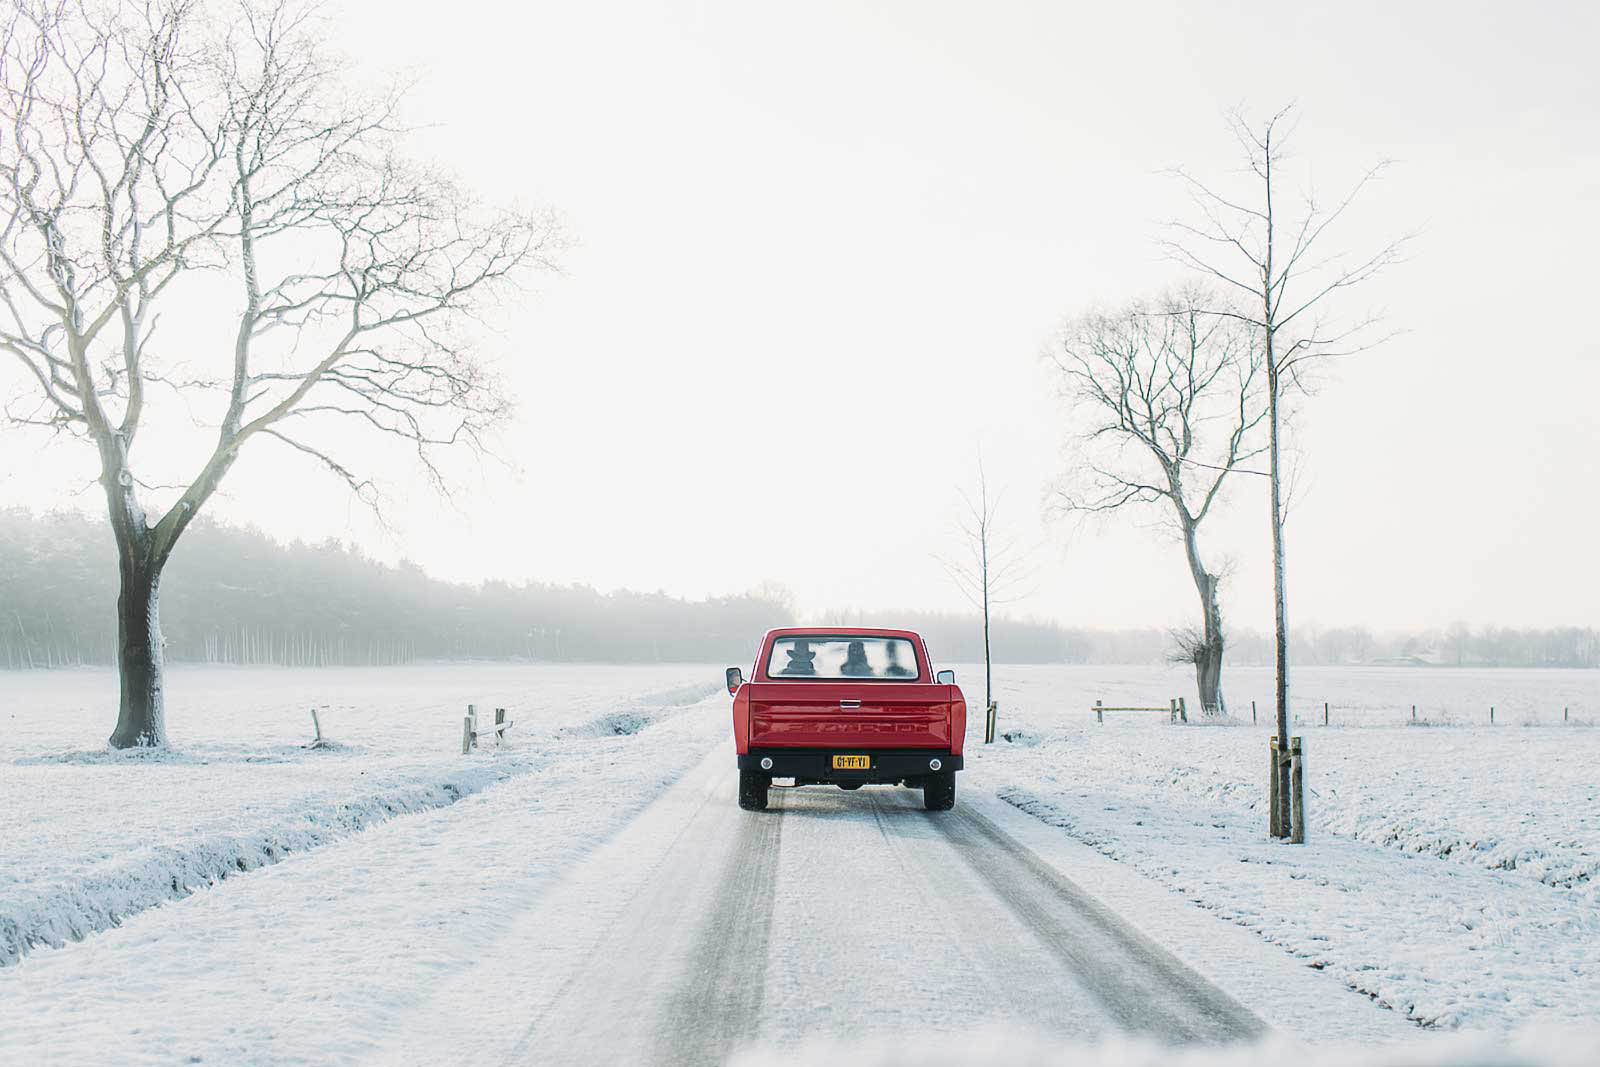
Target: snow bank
54 910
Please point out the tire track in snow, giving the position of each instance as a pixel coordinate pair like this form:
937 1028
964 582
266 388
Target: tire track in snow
1025 984
717 1004
704 931
1141 985
677 977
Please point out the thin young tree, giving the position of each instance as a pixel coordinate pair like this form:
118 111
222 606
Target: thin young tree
162 163
1167 401
992 569
1282 280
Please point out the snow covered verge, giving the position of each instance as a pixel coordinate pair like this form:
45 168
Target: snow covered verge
92 837
1529 1048
317 958
1451 872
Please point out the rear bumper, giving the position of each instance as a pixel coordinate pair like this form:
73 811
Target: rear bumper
816 764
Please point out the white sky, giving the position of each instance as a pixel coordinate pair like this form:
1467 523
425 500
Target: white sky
821 246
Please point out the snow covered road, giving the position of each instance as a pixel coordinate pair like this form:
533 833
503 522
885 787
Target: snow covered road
702 931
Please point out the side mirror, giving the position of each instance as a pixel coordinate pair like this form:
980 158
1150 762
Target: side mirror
945 678
735 680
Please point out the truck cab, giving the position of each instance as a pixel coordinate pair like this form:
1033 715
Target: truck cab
847 706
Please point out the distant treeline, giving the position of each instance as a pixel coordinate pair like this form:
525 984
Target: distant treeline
1458 645
234 595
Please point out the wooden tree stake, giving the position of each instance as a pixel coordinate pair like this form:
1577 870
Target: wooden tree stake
1297 793
1274 800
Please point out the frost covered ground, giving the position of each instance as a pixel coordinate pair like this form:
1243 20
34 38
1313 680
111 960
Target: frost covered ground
1452 868
89 837
1450 875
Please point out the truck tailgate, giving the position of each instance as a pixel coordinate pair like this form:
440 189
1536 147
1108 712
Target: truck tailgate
850 715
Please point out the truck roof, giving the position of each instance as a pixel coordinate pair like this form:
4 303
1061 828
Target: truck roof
843 631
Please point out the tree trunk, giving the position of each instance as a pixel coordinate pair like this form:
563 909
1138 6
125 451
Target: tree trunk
141 716
141 712
988 668
1279 598
1280 610
1207 654
1208 676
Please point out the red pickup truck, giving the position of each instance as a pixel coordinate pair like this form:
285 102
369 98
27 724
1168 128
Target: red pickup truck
847 706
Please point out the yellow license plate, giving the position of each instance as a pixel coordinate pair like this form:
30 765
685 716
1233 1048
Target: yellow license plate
852 763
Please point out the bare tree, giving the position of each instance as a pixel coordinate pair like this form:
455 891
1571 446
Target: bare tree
993 569
1276 262
165 156
1170 399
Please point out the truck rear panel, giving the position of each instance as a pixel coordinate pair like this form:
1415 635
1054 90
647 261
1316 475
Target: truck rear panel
845 715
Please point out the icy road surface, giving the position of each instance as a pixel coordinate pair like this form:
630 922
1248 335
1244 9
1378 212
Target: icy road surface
702 930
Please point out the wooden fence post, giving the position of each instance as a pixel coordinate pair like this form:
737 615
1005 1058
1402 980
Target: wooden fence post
1564 714
1491 714
1413 713
1252 713
499 726
1183 710
1297 793
1324 719
317 726
469 729
1273 799
1099 716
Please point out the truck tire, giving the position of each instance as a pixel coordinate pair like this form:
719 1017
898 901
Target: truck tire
939 791
753 787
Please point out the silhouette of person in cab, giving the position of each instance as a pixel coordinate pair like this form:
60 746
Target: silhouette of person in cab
801 659
855 661
894 668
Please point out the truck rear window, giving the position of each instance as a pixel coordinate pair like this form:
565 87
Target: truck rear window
822 656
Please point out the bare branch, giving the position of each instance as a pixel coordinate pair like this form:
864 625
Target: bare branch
1155 388
141 145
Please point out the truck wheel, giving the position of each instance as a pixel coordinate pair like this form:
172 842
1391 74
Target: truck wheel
849 785
753 787
939 791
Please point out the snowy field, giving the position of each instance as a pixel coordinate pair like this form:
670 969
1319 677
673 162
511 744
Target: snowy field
1452 869
90 836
